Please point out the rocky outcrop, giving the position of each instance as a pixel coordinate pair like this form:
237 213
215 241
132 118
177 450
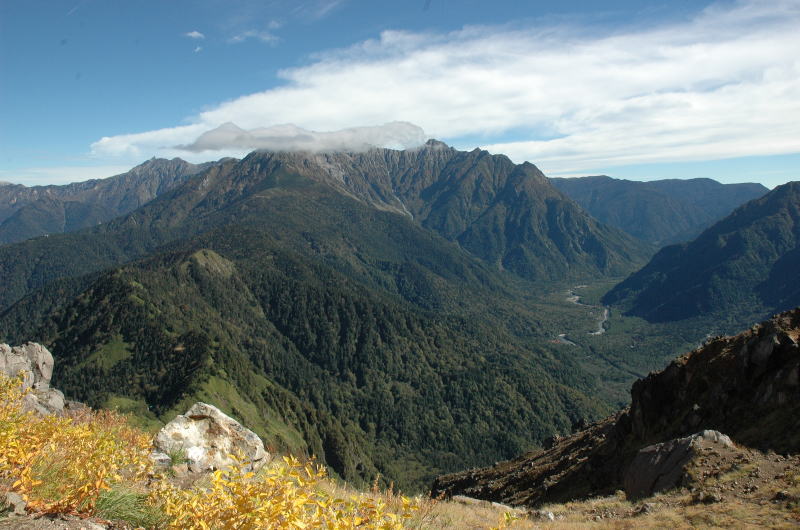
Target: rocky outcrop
35 364
746 386
208 439
664 466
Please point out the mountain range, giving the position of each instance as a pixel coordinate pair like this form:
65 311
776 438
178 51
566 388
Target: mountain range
742 268
370 308
508 216
377 309
660 212
27 212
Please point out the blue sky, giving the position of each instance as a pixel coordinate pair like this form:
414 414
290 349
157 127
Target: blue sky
634 89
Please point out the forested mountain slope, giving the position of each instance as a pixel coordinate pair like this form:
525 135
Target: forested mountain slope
508 216
311 360
27 212
658 211
745 266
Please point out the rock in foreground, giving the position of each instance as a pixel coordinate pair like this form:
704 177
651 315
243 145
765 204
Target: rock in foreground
207 438
663 466
35 364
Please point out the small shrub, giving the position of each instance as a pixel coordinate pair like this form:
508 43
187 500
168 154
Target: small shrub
95 463
284 495
61 465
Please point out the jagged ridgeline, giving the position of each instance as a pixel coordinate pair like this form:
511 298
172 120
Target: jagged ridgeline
368 308
27 212
508 216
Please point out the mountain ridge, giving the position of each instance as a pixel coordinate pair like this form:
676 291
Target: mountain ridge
744 265
524 226
27 212
658 211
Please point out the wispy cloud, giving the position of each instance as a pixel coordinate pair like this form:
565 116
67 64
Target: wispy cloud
263 36
194 35
198 49
317 9
724 83
326 7
76 7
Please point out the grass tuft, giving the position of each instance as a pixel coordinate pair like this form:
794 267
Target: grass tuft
121 503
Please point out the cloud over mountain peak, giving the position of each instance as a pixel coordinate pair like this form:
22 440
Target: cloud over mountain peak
289 137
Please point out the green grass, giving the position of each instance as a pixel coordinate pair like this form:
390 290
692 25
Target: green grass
111 353
123 504
223 395
138 412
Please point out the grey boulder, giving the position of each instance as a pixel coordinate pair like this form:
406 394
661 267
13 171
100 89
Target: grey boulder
663 466
34 363
208 439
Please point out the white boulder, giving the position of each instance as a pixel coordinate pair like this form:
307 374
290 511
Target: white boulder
208 438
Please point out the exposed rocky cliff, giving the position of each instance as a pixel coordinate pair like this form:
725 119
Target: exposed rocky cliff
34 363
745 386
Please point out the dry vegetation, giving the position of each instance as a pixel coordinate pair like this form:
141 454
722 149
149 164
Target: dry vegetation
95 465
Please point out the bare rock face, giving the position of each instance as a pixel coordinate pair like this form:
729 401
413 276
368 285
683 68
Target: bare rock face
35 364
745 386
663 466
208 438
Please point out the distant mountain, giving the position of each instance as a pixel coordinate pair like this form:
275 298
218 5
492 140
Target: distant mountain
659 211
27 212
370 308
508 216
746 265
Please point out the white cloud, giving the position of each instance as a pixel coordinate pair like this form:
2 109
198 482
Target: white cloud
194 35
263 36
725 83
230 137
198 49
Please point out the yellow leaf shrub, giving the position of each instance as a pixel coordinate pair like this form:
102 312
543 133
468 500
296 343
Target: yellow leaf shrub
285 495
60 465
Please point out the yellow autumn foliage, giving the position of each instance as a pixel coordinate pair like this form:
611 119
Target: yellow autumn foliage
286 495
63 465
